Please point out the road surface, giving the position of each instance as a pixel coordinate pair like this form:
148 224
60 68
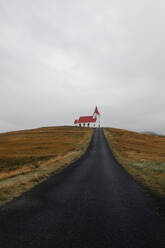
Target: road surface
92 203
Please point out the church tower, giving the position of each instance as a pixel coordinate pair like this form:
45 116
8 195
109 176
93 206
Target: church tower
96 115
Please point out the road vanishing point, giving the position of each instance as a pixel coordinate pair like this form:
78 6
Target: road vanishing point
92 203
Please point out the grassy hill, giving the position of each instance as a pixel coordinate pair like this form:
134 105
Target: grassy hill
142 156
30 156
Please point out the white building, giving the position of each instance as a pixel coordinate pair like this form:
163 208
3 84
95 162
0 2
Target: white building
89 121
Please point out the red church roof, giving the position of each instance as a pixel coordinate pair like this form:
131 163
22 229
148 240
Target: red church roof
76 121
96 111
86 119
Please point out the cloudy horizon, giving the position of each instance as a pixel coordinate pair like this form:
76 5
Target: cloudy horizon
61 58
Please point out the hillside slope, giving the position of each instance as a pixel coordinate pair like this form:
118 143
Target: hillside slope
30 156
143 156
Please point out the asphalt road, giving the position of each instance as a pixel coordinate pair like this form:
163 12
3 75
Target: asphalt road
92 203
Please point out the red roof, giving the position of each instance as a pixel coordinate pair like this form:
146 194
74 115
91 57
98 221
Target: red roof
96 111
76 121
86 119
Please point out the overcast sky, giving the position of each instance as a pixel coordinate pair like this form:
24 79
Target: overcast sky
60 58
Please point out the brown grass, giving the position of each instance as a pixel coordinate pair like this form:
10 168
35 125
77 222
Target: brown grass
142 155
30 156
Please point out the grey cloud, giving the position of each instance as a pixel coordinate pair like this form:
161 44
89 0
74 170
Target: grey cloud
60 58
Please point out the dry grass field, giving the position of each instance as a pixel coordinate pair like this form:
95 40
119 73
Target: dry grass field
30 156
143 156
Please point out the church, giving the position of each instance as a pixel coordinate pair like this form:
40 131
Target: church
89 121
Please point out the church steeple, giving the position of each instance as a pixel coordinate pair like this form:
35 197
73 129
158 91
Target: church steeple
96 115
96 111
